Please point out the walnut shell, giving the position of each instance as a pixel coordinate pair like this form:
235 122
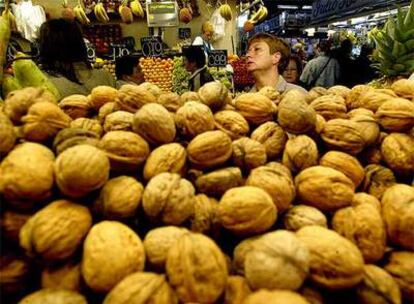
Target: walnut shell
276 183
118 121
18 102
336 263
142 287
344 163
330 106
101 95
126 150
398 152
371 155
232 123
240 252
11 223
14 273
368 128
152 88
378 287
339 90
343 135
377 180
281 168
169 198
364 198
237 290
88 124
352 100
67 276
193 280
75 106
210 149
300 153
278 261
166 158
158 242
272 136
214 95
371 100
271 93
205 215
401 267
360 112
301 215
275 297
53 296
70 137
171 101
43 121
80 170
255 108
320 123
248 153
56 231
190 96
105 241
217 182
20 188
314 93
247 210
155 124
133 97
312 294
364 227
194 118
7 135
396 115
404 88
107 109
398 214
120 198
296 116
324 188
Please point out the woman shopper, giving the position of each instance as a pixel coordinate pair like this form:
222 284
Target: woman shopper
293 69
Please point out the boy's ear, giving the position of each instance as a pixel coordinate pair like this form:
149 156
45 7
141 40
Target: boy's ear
276 57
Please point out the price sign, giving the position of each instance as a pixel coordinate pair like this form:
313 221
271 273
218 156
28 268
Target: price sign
184 33
151 46
90 51
217 58
119 50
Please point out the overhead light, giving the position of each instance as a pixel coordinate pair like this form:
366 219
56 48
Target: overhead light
287 7
307 7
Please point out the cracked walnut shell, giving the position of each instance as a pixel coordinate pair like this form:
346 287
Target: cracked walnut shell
70 137
377 180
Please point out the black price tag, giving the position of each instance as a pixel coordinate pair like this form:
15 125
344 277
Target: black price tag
184 33
151 46
217 58
119 50
90 51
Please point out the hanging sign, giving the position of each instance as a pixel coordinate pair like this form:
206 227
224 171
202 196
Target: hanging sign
151 46
217 58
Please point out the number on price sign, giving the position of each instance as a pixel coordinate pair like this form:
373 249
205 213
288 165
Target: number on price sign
217 58
151 46
119 50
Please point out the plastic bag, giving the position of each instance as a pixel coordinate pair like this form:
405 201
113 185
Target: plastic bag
219 25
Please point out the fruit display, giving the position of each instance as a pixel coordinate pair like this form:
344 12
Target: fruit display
395 44
241 76
180 76
142 194
102 36
158 71
222 75
107 65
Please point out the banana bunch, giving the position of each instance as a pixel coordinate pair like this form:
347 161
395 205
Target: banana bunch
80 14
100 12
5 32
259 15
11 18
125 12
395 44
225 12
137 9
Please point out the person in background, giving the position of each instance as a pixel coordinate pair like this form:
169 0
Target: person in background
204 40
293 69
366 72
128 71
323 71
267 58
346 63
63 56
195 63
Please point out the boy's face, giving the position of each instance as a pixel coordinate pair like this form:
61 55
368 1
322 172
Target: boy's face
259 57
189 66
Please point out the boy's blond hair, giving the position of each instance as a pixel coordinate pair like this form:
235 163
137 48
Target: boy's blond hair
207 27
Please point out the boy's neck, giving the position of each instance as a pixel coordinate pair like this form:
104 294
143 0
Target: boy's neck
266 78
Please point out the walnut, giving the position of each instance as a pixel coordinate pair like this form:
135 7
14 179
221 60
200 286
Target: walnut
255 108
158 242
155 124
240 252
364 198
67 276
271 93
335 263
247 210
368 128
152 88
281 168
133 97
107 109
171 101
371 155
371 100
398 214
56 231
320 123
194 118
193 280
118 121
248 153
49 296
352 100
404 88
278 261
214 95
296 116
190 96
396 115
330 106
142 287
272 136
80 170
300 153
217 182
101 95
324 188
88 124
314 93
75 106
377 180
360 112
339 90
398 152
70 137
126 150
301 215
205 215
401 267
7 135
237 290
232 123
169 198
275 297
106 240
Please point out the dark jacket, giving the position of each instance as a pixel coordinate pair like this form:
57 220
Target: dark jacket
199 78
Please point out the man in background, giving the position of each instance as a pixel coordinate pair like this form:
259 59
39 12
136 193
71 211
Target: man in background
195 63
128 71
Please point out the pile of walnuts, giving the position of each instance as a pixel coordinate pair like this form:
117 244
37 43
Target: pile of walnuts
140 196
